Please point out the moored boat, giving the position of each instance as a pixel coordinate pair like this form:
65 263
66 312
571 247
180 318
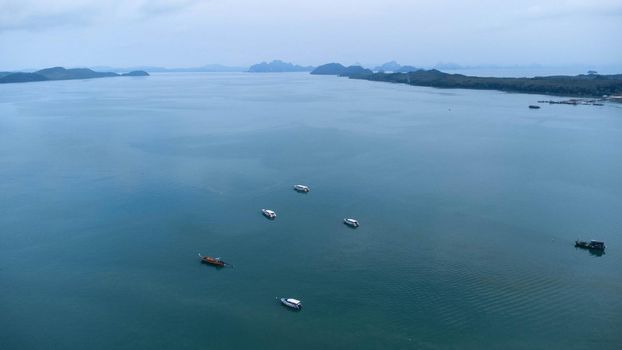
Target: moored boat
302 188
270 214
351 222
534 107
292 303
212 261
592 245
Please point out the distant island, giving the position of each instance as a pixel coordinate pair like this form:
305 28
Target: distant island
60 73
584 85
208 68
395 67
329 69
390 66
355 71
341 70
278 66
407 69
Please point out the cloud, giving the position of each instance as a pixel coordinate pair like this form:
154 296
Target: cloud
37 15
166 6
553 11
571 8
242 32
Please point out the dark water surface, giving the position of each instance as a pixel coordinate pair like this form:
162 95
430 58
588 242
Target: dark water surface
469 204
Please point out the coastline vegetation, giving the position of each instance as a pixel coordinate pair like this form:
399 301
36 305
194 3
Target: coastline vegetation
590 85
585 85
60 73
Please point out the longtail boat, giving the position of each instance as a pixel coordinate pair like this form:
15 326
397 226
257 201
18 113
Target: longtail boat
213 261
592 245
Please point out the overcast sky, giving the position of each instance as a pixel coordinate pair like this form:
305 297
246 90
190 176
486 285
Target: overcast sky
181 33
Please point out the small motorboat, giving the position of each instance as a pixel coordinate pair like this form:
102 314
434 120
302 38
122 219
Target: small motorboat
302 188
270 214
592 245
292 303
534 107
351 222
213 261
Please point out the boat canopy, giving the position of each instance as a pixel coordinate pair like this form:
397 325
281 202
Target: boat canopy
293 301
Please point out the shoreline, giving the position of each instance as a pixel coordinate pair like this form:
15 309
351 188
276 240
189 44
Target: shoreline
604 87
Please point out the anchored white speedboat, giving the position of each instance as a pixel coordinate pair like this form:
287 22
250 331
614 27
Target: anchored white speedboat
351 222
302 188
270 214
292 303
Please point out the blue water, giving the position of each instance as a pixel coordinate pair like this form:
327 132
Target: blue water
469 205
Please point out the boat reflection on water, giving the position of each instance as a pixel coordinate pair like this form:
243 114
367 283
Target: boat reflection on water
596 248
597 252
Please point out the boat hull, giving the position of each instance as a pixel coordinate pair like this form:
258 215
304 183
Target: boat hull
589 245
290 305
212 261
269 214
353 224
301 189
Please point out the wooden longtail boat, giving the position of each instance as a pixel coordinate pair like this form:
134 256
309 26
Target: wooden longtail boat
213 261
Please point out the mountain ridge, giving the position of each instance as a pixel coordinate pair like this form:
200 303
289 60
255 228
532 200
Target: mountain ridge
60 73
278 66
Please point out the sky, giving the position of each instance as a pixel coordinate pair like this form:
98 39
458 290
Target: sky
186 33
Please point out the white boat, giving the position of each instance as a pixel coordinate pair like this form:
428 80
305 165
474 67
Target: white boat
270 214
302 188
293 303
351 222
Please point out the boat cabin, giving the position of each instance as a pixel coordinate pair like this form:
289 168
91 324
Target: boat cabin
351 222
592 245
270 214
301 188
597 245
292 303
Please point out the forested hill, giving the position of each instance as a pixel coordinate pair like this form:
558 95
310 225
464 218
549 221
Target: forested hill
592 85
60 73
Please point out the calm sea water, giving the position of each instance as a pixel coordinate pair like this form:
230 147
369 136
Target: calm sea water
469 204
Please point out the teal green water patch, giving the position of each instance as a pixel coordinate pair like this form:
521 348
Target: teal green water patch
469 205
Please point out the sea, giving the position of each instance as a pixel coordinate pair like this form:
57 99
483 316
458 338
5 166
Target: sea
469 204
